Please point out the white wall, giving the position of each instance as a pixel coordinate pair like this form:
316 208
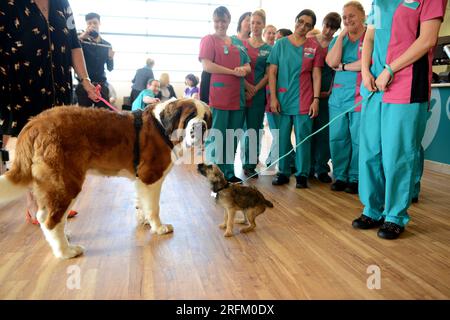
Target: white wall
282 13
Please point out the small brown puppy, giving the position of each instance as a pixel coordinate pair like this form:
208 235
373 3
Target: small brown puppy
235 197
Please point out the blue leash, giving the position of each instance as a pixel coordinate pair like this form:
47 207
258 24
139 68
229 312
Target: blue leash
312 134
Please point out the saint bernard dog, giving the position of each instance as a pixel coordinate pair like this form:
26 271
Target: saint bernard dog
56 149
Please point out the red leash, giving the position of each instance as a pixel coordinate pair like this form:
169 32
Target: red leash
98 88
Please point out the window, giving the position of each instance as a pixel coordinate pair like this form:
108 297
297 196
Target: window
167 31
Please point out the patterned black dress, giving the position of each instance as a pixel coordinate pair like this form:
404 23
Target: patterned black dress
35 60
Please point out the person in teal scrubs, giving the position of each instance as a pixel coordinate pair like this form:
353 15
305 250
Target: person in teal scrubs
294 81
320 146
344 55
227 61
396 68
255 84
273 119
146 96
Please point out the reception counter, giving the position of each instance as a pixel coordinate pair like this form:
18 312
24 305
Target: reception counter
436 141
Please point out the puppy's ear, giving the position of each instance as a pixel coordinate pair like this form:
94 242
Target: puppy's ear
216 186
201 168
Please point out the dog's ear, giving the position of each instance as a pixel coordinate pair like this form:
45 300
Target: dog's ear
189 111
201 168
170 117
208 118
217 185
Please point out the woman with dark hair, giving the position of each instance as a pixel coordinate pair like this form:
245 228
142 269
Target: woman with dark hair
228 63
320 143
273 119
191 90
344 55
294 80
281 33
243 26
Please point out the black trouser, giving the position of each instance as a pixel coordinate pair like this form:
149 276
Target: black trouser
204 86
133 95
83 99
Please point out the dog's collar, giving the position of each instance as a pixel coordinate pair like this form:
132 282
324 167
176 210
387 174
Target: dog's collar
137 114
162 131
225 187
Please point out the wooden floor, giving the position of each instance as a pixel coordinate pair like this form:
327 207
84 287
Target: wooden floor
304 248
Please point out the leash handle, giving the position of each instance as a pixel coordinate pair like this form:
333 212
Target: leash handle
98 88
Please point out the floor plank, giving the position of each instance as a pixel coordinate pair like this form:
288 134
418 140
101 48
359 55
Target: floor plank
304 248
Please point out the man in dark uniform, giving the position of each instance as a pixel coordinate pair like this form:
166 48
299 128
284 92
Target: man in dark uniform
97 52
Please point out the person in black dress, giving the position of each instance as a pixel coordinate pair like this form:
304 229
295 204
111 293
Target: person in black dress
38 48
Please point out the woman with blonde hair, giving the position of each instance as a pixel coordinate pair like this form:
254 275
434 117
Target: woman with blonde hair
269 34
166 90
396 68
255 85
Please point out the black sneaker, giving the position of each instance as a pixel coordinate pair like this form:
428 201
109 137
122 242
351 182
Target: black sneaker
365 222
352 188
302 182
338 185
234 179
280 179
324 177
251 172
415 200
390 231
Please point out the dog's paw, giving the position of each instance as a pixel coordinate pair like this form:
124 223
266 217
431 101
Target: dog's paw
228 233
222 225
164 228
72 251
246 229
142 221
140 217
240 221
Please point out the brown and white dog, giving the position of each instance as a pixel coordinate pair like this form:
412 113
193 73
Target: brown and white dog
56 149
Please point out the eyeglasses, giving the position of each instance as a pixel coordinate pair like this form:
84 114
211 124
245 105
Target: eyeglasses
305 24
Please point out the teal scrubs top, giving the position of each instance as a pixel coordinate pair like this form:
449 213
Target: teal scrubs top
346 87
139 103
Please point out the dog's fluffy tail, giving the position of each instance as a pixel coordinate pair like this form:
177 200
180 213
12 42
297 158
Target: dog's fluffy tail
268 203
10 190
15 182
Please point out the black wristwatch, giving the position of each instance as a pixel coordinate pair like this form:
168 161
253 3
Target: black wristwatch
343 67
